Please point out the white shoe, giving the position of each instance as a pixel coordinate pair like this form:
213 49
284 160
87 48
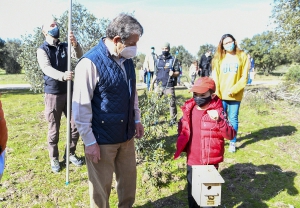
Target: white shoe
231 147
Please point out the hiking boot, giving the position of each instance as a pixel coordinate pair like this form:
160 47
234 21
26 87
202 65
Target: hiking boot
231 147
55 166
75 160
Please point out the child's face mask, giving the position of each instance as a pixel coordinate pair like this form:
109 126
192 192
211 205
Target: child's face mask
202 101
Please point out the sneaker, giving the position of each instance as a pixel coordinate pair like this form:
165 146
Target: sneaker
55 166
231 147
75 160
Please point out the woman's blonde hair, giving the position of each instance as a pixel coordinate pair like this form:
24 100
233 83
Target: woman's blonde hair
221 52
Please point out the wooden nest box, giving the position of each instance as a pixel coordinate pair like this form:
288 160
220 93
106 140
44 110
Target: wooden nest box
206 185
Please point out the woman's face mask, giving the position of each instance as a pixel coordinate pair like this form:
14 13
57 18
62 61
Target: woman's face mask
229 47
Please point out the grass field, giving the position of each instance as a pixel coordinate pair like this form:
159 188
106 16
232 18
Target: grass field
12 78
264 172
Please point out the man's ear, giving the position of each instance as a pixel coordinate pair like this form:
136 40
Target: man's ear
116 39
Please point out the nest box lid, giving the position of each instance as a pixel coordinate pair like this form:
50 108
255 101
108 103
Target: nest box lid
207 174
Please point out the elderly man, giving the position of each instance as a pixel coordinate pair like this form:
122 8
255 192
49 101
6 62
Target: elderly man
52 57
106 113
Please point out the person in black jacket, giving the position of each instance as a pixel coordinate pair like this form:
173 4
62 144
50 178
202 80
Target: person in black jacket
205 64
166 73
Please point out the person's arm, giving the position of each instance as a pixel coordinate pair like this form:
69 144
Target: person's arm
86 78
215 76
137 111
225 129
76 50
45 65
3 130
241 84
175 69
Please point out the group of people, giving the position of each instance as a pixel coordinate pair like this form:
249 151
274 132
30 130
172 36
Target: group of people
105 110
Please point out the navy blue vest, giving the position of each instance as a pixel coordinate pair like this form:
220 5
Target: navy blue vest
164 65
59 60
113 100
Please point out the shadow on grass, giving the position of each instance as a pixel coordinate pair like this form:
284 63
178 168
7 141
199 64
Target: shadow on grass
266 134
176 200
247 185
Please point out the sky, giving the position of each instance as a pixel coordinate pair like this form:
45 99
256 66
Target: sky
190 23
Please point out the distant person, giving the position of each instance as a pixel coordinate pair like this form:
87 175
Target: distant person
141 74
3 140
193 71
150 65
180 74
205 64
230 72
106 112
167 71
52 57
202 129
251 70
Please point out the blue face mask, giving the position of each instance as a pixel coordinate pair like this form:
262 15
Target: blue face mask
229 47
54 32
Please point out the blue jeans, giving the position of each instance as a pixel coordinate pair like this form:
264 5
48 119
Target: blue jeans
232 110
149 76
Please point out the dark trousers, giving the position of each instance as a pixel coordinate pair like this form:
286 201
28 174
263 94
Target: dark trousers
205 73
55 105
191 200
173 109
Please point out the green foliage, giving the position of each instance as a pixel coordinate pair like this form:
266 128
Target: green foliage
266 52
86 27
293 73
28 60
151 148
286 17
2 53
183 55
203 49
13 50
138 61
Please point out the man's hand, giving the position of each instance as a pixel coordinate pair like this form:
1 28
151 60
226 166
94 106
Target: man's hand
68 75
139 130
72 39
213 114
92 153
171 73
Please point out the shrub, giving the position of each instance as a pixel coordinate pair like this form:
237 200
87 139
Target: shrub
151 149
293 73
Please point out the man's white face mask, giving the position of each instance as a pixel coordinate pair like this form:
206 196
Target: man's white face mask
129 52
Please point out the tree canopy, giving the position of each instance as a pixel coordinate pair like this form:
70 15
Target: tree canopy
286 16
265 50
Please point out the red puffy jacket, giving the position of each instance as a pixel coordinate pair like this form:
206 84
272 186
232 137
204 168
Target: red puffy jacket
3 130
211 149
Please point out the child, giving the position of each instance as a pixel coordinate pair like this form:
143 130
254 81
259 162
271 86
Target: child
202 129
3 140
